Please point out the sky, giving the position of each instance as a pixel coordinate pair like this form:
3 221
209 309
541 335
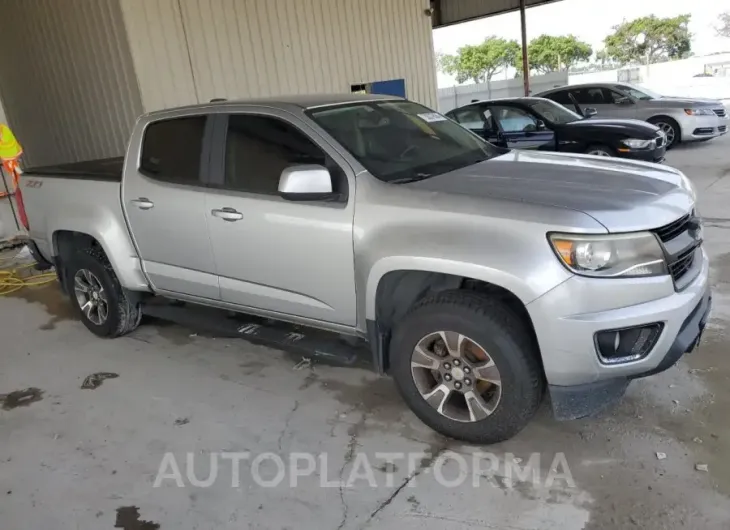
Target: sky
589 20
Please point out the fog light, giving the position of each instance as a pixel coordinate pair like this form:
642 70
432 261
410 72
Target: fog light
629 344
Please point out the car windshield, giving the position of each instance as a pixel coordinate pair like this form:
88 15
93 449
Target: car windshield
638 92
553 112
401 141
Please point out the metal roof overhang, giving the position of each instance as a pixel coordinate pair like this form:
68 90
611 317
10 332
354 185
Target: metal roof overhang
448 12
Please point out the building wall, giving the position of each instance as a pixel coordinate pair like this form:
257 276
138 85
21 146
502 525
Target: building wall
188 51
456 96
67 81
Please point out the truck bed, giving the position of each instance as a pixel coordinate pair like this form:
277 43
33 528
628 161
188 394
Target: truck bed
108 169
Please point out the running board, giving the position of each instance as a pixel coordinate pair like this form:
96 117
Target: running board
315 344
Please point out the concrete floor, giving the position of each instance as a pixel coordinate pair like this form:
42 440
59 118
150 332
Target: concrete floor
75 458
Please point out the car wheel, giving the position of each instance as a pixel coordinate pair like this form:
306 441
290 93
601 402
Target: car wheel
98 297
670 128
467 367
600 150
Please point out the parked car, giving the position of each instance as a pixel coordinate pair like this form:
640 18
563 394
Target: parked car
682 119
538 123
477 275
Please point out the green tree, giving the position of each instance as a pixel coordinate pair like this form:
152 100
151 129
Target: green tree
479 63
650 39
723 28
552 54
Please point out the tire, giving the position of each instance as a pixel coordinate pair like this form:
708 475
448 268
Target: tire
122 316
492 326
664 123
600 150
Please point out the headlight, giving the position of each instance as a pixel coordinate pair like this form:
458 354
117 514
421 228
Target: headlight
699 112
610 256
635 143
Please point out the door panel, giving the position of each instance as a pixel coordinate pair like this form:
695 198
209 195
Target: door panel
519 128
617 105
290 257
602 99
164 201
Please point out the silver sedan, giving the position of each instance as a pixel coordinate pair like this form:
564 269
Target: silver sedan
682 119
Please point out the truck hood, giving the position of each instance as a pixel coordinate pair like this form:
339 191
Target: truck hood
622 195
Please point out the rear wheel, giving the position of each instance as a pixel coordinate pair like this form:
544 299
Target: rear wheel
100 300
467 367
670 128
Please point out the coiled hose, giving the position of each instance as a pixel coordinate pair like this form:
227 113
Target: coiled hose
14 277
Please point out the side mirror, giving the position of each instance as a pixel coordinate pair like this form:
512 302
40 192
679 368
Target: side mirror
540 125
589 112
306 182
623 101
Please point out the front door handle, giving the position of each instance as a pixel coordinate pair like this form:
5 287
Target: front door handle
227 214
143 203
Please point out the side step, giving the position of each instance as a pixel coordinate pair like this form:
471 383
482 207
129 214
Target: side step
319 345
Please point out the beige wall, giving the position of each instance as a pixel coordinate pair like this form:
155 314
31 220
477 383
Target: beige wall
67 81
254 48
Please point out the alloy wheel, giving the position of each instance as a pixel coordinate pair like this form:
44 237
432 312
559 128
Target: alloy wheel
668 131
456 376
599 152
91 296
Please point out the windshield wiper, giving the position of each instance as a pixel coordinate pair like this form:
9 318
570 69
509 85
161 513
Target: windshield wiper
412 178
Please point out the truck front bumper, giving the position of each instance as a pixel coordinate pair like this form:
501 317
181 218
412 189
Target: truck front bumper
580 382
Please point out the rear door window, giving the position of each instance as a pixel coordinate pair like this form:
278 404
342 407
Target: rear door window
561 96
470 117
590 96
172 150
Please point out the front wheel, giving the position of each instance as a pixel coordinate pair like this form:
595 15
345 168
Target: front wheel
600 150
98 297
467 367
670 129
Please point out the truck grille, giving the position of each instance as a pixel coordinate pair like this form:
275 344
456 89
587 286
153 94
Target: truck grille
720 112
682 264
672 230
722 128
660 139
680 260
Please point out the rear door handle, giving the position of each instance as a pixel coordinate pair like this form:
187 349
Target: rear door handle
227 214
143 203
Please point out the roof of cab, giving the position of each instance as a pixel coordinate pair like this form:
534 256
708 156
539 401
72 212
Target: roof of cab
304 101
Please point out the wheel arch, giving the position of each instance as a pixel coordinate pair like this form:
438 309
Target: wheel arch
666 117
398 290
117 249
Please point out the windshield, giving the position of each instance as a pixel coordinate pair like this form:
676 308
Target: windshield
402 140
553 112
637 92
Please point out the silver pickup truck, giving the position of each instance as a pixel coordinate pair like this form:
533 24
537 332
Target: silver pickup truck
478 276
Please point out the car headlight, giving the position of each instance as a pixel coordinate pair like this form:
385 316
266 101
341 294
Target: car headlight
699 112
635 143
610 256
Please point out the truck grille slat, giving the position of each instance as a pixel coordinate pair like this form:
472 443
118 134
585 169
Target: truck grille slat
720 112
673 229
682 264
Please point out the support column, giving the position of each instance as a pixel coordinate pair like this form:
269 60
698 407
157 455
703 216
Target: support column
525 62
